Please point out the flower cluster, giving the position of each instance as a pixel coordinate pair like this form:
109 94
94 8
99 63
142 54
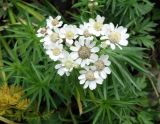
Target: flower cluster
81 47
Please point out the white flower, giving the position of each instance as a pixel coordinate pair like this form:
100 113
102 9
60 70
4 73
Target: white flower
52 38
90 78
56 52
41 32
84 31
101 66
96 26
104 44
84 52
67 64
54 22
69 33
115 36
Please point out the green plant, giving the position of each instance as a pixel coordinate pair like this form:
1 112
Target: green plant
123 97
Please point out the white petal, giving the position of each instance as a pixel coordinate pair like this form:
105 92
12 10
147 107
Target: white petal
96 75
95 49
99 81
88 61
83 63
81 77
94 57
103 74
104 57
107 70
58 17
74 55
74 48
81 42
87 42
61 72
91 21
123 42
82 71
78 61
92 45
92 85
112 46
111 26
69 42
77 44
58 66
82 81
67 73
86 85
103 38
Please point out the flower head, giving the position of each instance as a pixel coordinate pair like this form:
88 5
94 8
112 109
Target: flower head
84 52
89 78
96 26
85 32
115 36
69 33
101 66
54 22
56 52
52 38
66 65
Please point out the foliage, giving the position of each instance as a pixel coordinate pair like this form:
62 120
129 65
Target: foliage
124 96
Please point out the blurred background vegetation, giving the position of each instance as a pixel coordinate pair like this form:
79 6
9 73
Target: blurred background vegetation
130 95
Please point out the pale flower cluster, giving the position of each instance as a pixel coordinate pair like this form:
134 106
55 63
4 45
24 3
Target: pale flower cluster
80 47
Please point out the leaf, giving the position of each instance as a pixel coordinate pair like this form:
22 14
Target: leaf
145 118
31 11
79 102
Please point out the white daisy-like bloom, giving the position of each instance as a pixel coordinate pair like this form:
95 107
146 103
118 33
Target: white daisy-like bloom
84 31
84 52
115 36
41 32
54 22
66 65
101 66
89 78
96 26
69 33
52 38
56 52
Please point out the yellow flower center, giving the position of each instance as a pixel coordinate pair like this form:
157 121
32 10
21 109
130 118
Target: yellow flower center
43 30
86 33
69 64
69 35
98 26
114 37
84 52
55 22
56 51
54 37
90 76
99 65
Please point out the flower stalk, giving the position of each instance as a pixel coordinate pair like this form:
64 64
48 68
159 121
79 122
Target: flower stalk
2 73
7 121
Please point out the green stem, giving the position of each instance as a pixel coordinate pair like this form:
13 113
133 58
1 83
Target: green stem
5 120
72 116
11 16
7 48
154 87
2 73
